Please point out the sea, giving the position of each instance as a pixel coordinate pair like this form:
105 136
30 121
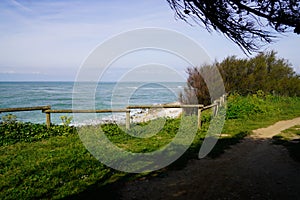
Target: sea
105 95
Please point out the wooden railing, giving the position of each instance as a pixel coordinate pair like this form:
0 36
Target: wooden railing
47 110
199 106
48 119
25 109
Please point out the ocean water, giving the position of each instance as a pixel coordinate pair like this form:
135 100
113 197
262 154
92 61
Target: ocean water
60 95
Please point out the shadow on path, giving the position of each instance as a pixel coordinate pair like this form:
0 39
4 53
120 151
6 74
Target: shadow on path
252 169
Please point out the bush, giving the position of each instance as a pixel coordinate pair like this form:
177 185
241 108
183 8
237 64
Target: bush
9 119
13 132
247 107
265 72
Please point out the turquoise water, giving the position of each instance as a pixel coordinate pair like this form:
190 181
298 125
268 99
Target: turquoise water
60 94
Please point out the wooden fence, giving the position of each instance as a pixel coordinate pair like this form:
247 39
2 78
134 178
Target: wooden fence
48 119
47 110
25 109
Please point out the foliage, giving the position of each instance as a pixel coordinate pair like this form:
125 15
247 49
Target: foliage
196 90
204 85
66 120
11 133
9 119
246 107
60 166
259 104
264 72
247 23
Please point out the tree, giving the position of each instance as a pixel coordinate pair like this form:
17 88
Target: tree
196 90
204 85
245 22
265 72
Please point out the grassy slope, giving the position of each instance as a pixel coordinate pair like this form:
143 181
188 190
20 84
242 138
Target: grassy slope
60 166
254 112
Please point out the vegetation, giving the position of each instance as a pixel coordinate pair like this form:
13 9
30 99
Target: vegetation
66 121
264 72
247 23
59 166
264 105
12 131
41 163
246 113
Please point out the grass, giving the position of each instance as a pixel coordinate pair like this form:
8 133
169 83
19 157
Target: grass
290 138
268 110
59 166
52 168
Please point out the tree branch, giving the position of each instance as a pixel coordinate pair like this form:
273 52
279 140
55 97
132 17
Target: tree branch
240 20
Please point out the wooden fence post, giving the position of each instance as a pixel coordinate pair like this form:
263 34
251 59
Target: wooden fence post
216 107
199 118
127 120
221 100
48 119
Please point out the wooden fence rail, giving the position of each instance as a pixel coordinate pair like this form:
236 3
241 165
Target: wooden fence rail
164 106
47 110
25 109
48 118
199 106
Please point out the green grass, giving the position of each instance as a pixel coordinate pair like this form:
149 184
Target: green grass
53 168
14 132
59 166
267 110
135 144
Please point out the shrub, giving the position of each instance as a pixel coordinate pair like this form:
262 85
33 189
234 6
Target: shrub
265 73
11 133
9 119
245 107
66 120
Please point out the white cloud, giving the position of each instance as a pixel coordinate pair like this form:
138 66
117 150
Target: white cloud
46 34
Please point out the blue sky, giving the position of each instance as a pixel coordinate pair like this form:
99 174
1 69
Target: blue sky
50 39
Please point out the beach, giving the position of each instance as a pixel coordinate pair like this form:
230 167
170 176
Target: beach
136 116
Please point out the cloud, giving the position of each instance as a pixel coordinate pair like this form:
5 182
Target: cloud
60 33
19 5
39 35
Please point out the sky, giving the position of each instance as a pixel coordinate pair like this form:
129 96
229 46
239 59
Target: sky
50 40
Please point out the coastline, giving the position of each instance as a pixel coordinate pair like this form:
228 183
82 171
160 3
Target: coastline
59 95
154 113
137 116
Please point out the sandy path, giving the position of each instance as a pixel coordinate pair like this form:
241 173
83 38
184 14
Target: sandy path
252 169
275 129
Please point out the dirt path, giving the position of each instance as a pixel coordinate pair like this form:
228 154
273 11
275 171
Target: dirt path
252 169
275 129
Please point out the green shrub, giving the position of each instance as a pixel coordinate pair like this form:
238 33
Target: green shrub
9 119
66 120
240 107
11 133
